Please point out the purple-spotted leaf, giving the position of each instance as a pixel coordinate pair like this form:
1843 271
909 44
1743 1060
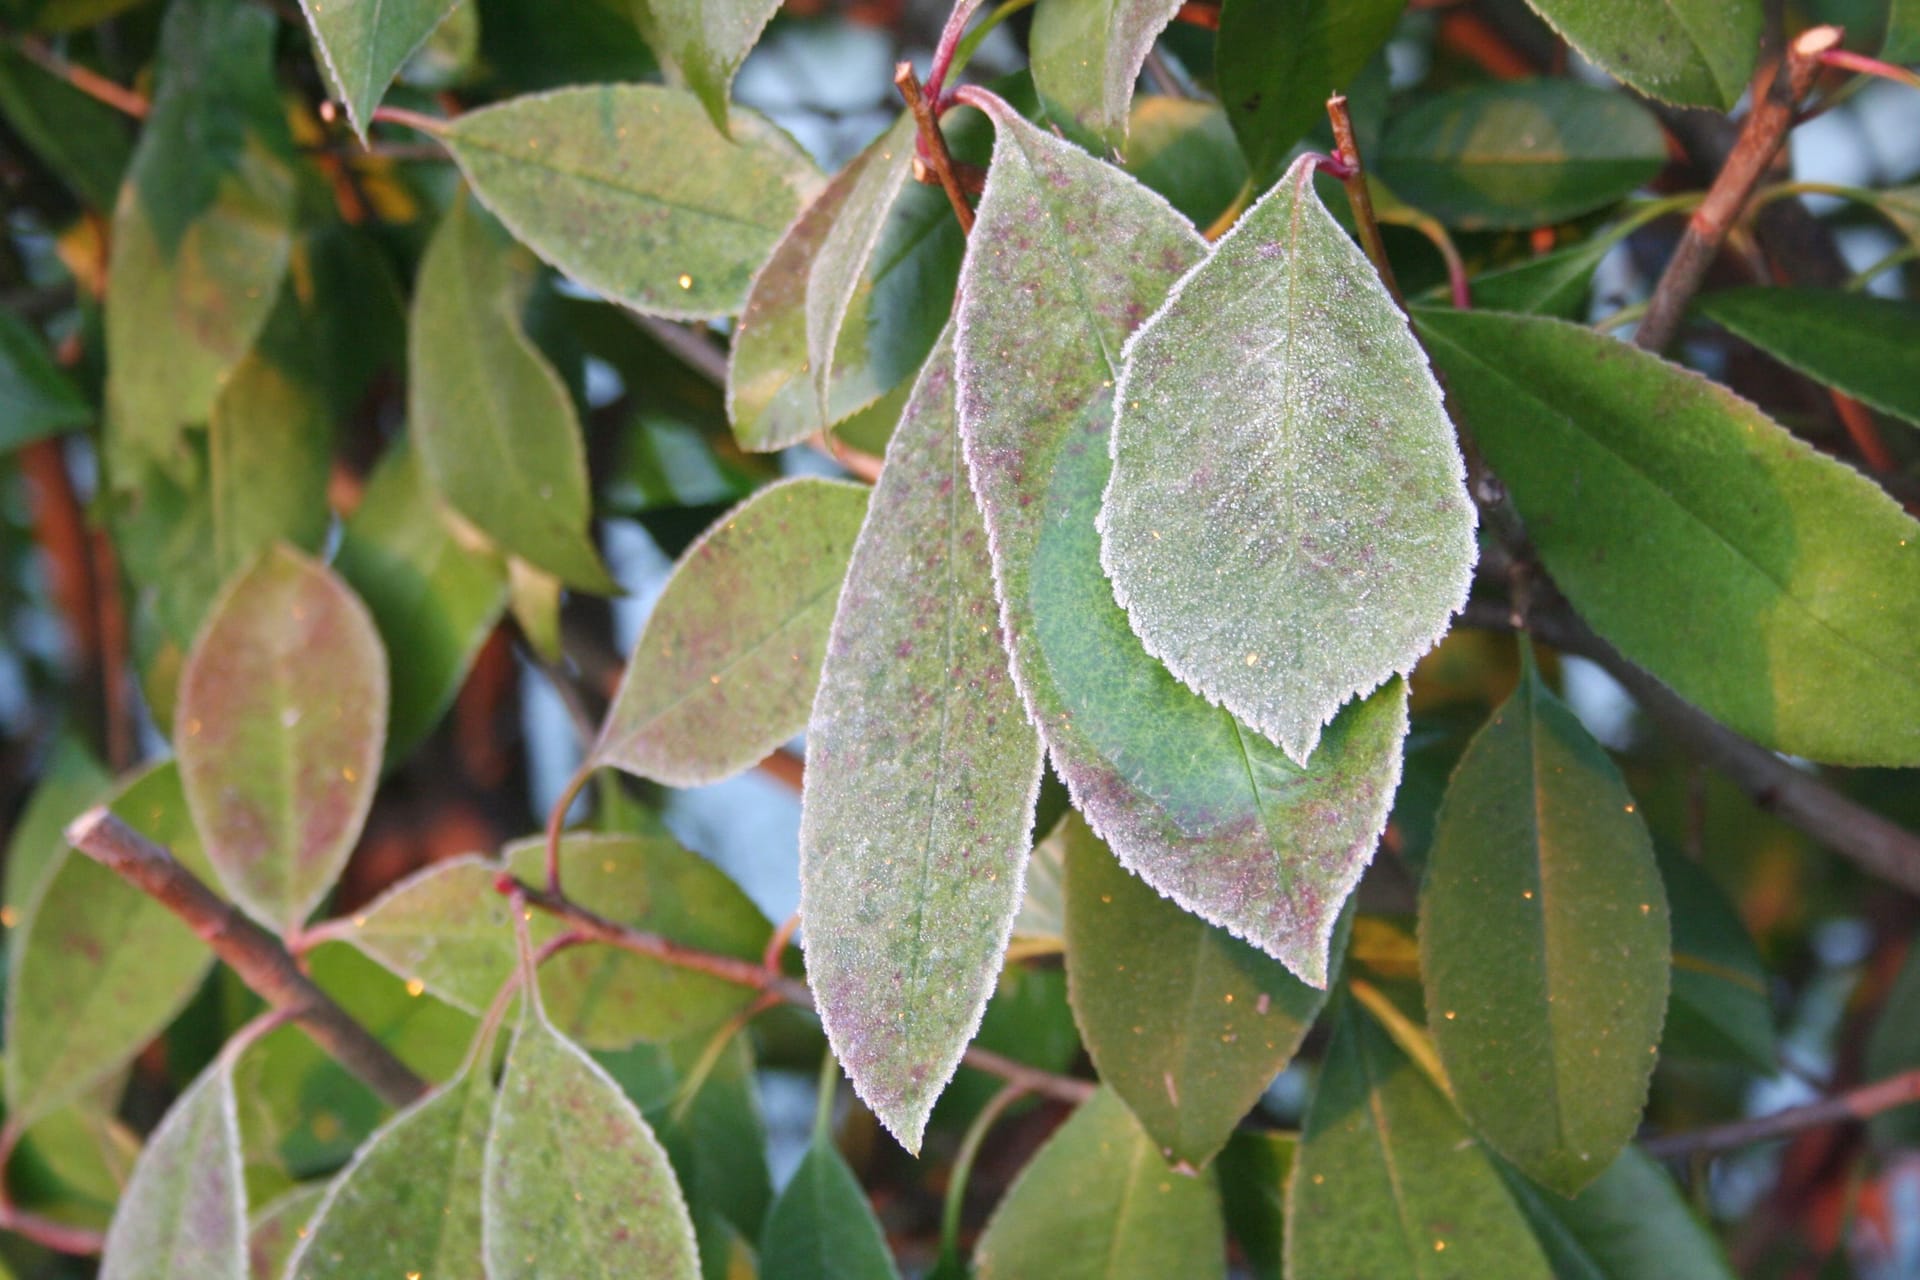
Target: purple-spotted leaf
921 776
727 666
281 722
1287 524
1087 55
1544 944
1204 810
575 1183
705 41
183 1215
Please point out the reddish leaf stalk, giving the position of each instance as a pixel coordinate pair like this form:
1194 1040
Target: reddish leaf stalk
1353 176
87 81
943 53
1846 60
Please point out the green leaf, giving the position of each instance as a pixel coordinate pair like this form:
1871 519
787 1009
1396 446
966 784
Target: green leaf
822 1227
576 1185
71 781
1894 1047
81 139
921 778
99 967
727 666
184 1213
434 591
1543 943
409 1204
631 191
495 427
280 726
1387 1182
1278 61
1185 149
1774 588
1631 1223
1185 1022
1865 346
1902 43
277 1230
364 43
445 927
1718 1010
1097 1203
1287 522
1553 284
1205 811
705 41
1086 55
1520 153
1696 53
1253 1169
202 231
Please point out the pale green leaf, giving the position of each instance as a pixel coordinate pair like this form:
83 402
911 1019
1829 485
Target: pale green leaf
1631 1223
705 41
1718 1009
1544 943
281 722
1865 346
1185 1022
1098 1203
1185 149
1287 522
1202 809
1086 55
630 190
445 927
274 1232
71 781
1773 587
1388 1184
364 43
921 777
496 429
727 666
1696 53
822 1227
36 400
184 1213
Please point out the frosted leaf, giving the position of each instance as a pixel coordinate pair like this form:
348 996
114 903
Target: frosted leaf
921 776
1287 524
183 1215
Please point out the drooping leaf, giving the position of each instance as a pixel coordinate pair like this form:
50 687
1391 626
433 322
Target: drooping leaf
71 781
99 967
1086 55
822 1226
1631 1223
36 400
184 1213
1199 807
1184 1021
727 666
1253 1170
1696 53
705 41
1865 346
1776 589
575 1183
1718 1010
1387 1183
908 902
630 190
497 432
1278 61
1185 149
276 1230
280 726
1520 153
1544 943
81 139
1287 521
364 43
433 591
202 230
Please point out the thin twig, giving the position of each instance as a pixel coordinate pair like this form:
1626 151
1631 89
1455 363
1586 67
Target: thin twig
1847 60
1862 1103
432 126
86 80
1354 179
557 820
1775 97
933 144
259 958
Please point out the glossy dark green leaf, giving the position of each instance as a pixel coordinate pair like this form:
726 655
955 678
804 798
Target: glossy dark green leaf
705 41
1697 53
36 400
1098 1203
1520 153
1553 284
1278 61
822 1227
80 138
98 967
727 666
1086 55
184 1213
497 432
1631 1223
1185 1022
1894 1047
1185 149
1287 523
1253 1169
71 781
1544 943
630 190
364 43
1205 811
1865 346
1388 1184
1718 1010
1773 587
280 726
